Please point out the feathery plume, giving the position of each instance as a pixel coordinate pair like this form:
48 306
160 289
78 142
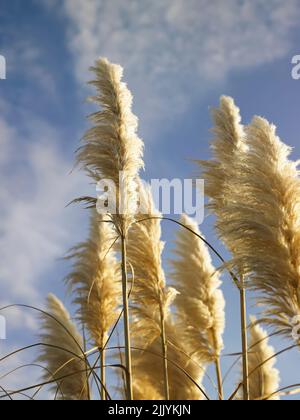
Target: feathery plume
112 150
265 216
151 298
180 365
220 175
228 146
200 303
96 283
63 353
144 391
264 381
96 279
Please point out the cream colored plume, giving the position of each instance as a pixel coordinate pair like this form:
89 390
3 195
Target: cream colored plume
221 173
228 146
200 303
144 391
265 379
150 296
112 150
64 355
181 366
263 224
96 279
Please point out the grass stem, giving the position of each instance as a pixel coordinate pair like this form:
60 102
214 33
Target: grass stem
219 378
164 343
103 374
243 304
129 387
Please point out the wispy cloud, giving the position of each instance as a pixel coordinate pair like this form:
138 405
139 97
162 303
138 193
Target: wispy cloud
173 49
35 227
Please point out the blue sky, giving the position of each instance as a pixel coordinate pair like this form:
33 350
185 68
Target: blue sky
179 57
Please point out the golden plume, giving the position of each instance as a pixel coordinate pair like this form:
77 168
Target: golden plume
113 154
96 279
221 176
185 373
150 296
264 378
143 390
264 224
96 283
112 150
63 353
200 303
228 146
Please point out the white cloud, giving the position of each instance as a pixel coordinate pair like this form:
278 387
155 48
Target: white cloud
173 49
35 226
6 140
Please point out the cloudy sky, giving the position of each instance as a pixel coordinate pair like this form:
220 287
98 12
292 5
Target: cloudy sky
179 56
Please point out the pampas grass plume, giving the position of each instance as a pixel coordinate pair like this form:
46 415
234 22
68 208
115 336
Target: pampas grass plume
63 353
96 279
264 378
112 149
200 303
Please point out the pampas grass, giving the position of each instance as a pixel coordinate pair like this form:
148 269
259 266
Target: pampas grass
113 151
228 147
145 249
221 176
181 366
96 283
265 225
177 319
63 353
151 298
264 378
144 391
200 303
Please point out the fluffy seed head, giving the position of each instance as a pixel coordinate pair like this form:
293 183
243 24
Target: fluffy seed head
150 296
181 365
95 279
112 149
263 224
264 381
63 354
200 303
